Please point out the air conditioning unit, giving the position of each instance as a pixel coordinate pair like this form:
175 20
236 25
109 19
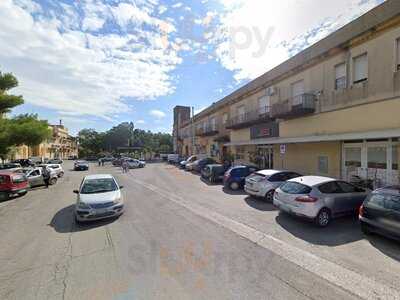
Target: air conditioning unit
272 90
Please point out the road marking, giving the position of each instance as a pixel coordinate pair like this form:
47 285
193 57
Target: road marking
351 281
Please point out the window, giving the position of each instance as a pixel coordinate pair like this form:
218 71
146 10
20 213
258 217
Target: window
2 179
263 105
360 64
213 124
35 173
323 164
346 187
295 188
329 188
397 57
297 92
340 77
241 113
225 118
395 157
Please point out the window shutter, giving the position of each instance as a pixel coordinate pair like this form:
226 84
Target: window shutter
360 68
340 76
340 71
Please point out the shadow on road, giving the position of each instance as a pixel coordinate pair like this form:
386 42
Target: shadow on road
259 204
64 221
341 231
210 183
387 246
230 192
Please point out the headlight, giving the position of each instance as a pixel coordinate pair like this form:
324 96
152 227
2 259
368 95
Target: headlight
82 205
117 201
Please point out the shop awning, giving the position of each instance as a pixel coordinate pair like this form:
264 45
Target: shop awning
380 134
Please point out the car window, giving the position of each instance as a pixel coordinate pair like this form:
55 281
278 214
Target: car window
99 185
376 200
392 203
295 188
278 177
347 187
35 173
238 172
330 188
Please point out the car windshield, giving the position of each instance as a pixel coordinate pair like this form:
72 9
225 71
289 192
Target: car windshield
98 185
295 188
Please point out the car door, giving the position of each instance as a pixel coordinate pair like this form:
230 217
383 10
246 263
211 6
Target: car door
35 178
353 196
392 206
332 196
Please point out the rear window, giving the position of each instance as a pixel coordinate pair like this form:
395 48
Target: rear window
18 178
295 188
390 202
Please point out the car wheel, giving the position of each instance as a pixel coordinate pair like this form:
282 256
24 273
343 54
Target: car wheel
323 218
4 196
270 196
53 181
23 193
61 174
234 186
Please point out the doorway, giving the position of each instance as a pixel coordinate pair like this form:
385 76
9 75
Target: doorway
265 157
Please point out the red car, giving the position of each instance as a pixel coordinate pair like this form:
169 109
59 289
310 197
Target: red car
12 184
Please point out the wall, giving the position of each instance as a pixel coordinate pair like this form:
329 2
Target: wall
303 158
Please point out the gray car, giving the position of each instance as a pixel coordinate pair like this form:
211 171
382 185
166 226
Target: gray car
35 176
319 198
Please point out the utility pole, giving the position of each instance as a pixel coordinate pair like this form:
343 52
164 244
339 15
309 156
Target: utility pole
193 129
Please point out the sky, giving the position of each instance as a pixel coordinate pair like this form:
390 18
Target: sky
97 63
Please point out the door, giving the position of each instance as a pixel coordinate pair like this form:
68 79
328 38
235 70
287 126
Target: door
353 196
352 157
35 178
265 157
377 164
334 198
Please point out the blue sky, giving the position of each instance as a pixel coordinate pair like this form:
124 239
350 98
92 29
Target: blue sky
96 63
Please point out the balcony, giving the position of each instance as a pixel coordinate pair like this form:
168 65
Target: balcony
247 119
208 130
294 107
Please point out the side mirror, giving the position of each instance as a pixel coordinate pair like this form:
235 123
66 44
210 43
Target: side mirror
121 187
76 192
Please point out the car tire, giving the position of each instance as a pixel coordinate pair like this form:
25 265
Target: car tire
323 218
269 197
234 186
4 196
53 181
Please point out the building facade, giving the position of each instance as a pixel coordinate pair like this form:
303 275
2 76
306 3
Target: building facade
330 110
181 115
60 145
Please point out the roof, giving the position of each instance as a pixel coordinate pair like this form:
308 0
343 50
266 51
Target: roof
337 40
312 180
268 172
98 176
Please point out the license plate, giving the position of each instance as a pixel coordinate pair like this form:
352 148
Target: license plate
100 211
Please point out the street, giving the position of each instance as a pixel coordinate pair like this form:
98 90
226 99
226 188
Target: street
182 238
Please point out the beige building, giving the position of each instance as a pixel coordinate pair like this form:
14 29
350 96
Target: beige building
60 145
332 109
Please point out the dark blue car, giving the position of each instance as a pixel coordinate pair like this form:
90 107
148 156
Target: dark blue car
234 178
201 163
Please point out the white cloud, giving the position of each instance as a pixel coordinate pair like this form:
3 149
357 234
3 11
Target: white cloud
63 67
158 114
177 5
162 9
140 122
294 24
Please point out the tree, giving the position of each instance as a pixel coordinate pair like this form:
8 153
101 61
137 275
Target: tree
29 130
90 142
7 102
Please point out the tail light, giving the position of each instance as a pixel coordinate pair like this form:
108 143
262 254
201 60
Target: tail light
306 199
361 210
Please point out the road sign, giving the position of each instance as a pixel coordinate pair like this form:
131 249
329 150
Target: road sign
282 149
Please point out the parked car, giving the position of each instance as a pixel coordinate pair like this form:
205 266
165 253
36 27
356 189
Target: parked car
92 158
98 197
11 167
24 162
263 183
56 167
36 160
191 159
72 157
213 172
319 198
380 212
81 165
172 158
57 161
135 163
12 184
35 176
201 163
234 178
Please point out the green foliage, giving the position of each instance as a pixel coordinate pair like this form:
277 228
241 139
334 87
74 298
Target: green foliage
7 82
29 130
7 102
93 143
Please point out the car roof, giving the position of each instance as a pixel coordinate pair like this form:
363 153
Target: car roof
98 176
269 172
392 190
312 180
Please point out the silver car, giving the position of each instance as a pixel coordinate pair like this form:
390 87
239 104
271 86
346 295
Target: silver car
319 198
99 197
35 176
263 183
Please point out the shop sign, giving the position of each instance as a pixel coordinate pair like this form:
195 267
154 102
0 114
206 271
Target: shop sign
265 130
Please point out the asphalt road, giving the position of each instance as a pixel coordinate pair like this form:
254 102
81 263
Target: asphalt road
181 238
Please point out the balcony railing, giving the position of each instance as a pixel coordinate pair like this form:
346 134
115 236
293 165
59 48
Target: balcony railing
294 107
208 130
260 115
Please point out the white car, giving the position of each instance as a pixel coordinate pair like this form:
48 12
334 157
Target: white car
99 197
264 183
135 163
57 168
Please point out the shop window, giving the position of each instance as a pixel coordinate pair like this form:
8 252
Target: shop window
340 77
360 67
377 158
323 164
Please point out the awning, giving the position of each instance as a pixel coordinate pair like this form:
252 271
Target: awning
380 134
